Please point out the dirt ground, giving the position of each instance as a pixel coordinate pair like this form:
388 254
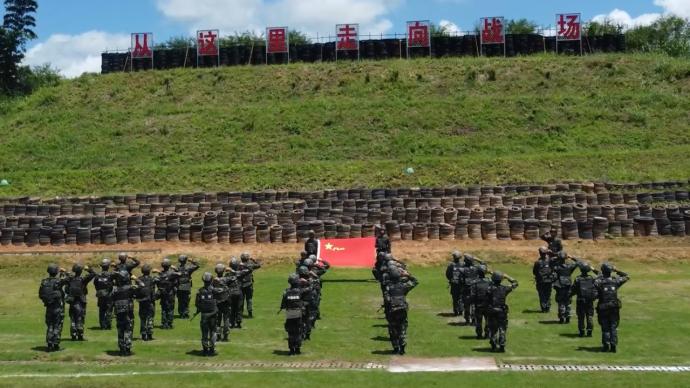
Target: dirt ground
659 249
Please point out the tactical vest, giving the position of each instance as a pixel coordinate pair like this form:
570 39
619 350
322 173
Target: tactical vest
481 290
248 278
556 245
470 275
456 273
307 290
544 271
563 273
206 303
224 293
586 288
185 279
103 284
293 308
396 295
498 297
608 294
234 287
147 290
49 291
122 299
165 283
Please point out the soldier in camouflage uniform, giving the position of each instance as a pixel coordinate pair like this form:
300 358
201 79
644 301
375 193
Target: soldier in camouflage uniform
480 299
292 304
250 265
184 288
498 310
454 277
125 265
608 305
167 287
543 278
51 294
123 295
76 292
206 305
103 282
311 246
399 285
585 292
233 279
308 299
470 274
562 284
147 302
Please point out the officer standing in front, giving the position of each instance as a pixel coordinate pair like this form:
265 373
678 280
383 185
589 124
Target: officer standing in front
293 305
167 287
206 306
76 291
454 276
608 305
249 265
562 284
400 283
51 294
585 292
184 287
147 302
498 310
543 278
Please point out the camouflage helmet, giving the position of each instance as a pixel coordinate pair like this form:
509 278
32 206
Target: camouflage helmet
497 277
77 268
308 263
165 263
312 234
546 236
245 256
293 279
606 269
381 230
584 267
146 269
469 259
206 277
220 268
389 257
302 270
122 256
456 255
53 269
481 270
182 259
543 251
234 263
105 263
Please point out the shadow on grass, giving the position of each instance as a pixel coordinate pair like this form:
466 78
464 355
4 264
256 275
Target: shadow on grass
278 352
591 349
383 352
570 335
116 353
550 322
195 352
447 315
379 325
469 337
349 281
40 349
483 350
531 311
380 338
97 328
458 324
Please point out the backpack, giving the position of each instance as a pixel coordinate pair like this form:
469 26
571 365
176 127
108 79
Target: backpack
49 292
206 303
480 290
498 298
608 295
545 272
75 288
456 274
293 308
586 288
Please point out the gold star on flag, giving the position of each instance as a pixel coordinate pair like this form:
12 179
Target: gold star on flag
329 246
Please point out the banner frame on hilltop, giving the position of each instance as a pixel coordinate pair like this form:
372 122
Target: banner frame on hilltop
337 37
198 47
287 42
482 24
134 43
418 23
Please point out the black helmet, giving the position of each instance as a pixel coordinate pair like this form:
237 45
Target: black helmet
220 268
166 263
293 279
562 255
468 260
182 259
302 270
206 277
245 256
105 263
234 263
585 268
77 268
606 269
311 234
122 256
146 269
543 251
308 263
481 270
456 256
123 277
389 257
53 269
497 277
394 273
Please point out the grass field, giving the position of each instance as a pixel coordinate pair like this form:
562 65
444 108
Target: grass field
653 332
310 126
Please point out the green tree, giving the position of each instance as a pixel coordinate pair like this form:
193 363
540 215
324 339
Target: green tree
176 42
670 35
298 37
607 27
521 26
16 31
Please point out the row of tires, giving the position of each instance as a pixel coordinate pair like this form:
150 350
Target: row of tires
627 192
469 202
464 229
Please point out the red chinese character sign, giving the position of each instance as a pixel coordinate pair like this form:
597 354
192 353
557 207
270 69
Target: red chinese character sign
142 45
207 44
347 38
492 31
568 26
568 29
418 35
277 42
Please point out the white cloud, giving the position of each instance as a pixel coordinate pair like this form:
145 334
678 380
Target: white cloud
75 54
676 7
310 16
618 16
450 27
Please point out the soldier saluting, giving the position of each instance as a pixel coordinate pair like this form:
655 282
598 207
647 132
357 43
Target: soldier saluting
498 310
293 305
400 283
184 288
543 278
103 282
609 306
454 276
51 294
76 297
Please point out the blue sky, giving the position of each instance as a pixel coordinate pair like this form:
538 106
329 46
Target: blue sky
72 33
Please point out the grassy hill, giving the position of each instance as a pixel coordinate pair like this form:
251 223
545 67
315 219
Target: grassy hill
460 120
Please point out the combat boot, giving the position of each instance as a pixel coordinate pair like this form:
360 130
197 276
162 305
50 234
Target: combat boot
212 352
396 350
402 350
613 348
251 314
567 319
225 338
502 349
298 350
582 333
589 333
80 337
605 348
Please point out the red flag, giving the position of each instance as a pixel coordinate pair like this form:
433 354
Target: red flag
348 252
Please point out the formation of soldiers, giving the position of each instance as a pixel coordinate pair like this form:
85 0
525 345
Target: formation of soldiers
554 270
117 289
301 301
478 294
480 300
